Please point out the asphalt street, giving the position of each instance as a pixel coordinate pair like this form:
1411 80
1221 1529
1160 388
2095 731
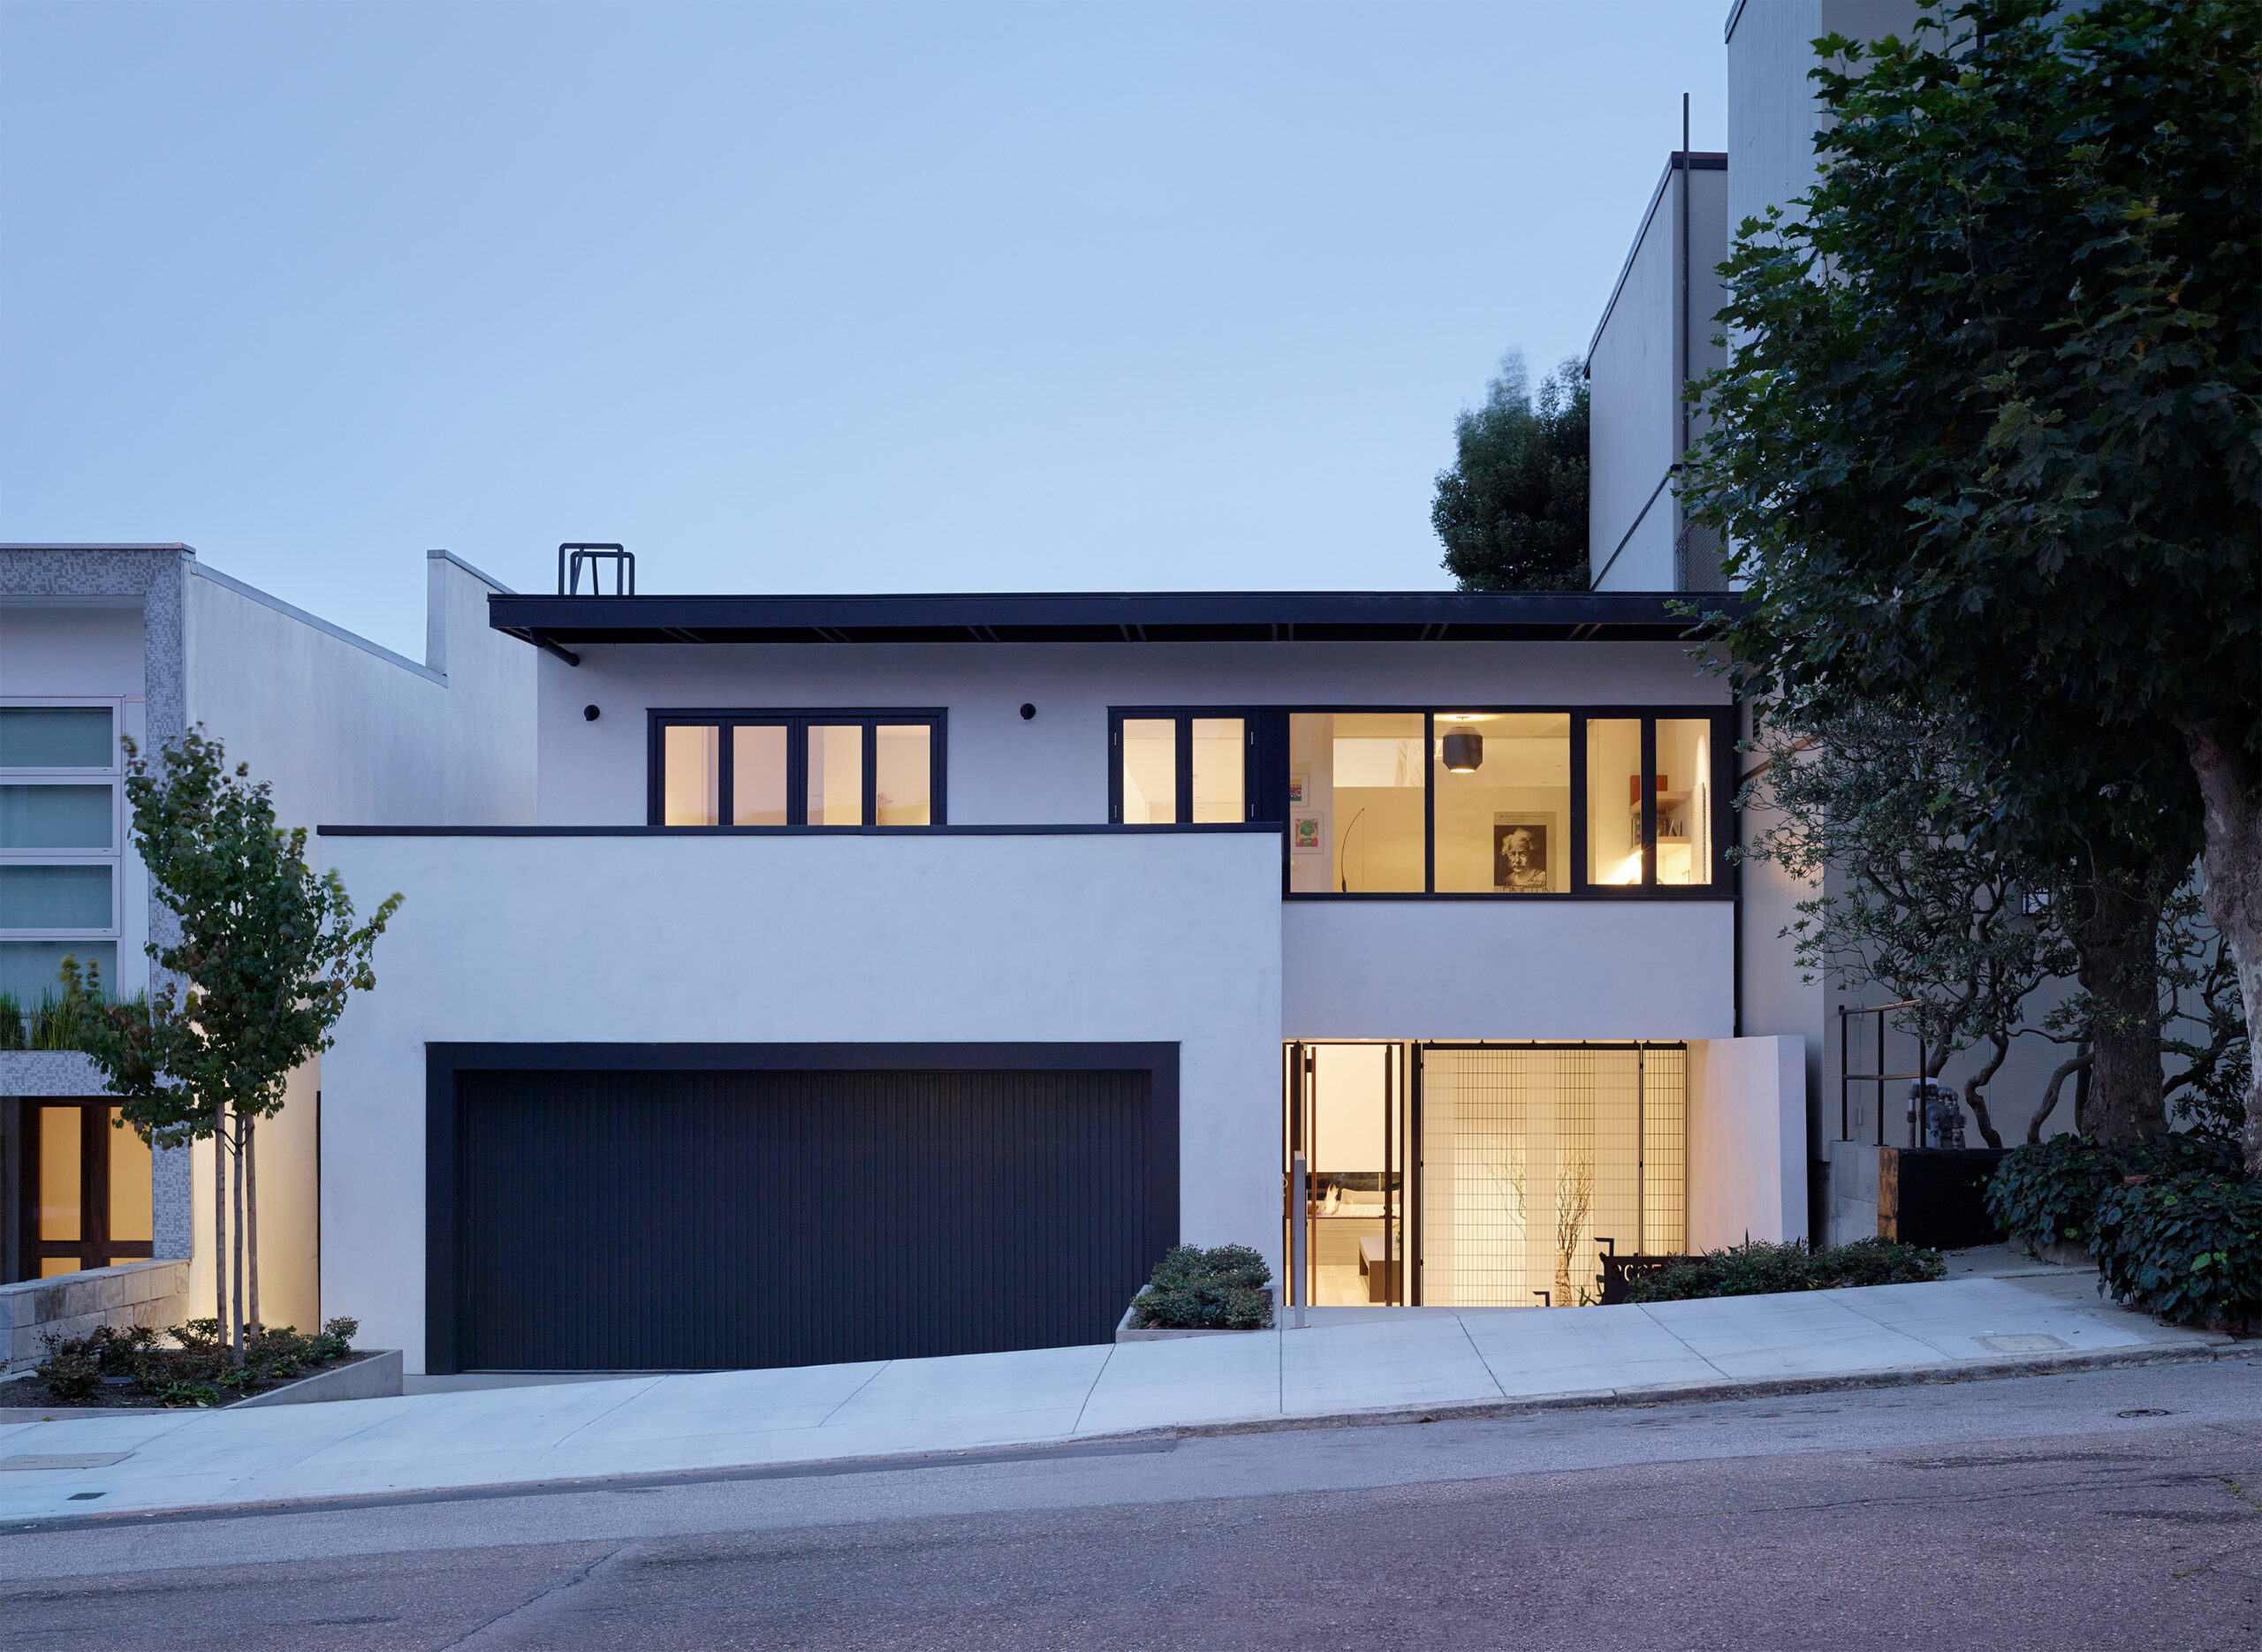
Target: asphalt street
2113 1509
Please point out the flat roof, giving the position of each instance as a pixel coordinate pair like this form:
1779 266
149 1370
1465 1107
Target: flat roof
1103 617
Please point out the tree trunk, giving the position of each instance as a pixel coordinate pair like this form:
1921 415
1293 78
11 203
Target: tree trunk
1974 1091
2230 793
219 1222
2078 1063
236 1324
2116 931
251 1217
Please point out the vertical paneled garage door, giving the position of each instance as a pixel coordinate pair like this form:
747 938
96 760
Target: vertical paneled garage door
698 1220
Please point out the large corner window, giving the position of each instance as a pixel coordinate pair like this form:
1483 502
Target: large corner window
60 834
1182 769
797 768
1467 802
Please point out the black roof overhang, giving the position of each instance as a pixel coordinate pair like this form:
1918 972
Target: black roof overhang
1103 616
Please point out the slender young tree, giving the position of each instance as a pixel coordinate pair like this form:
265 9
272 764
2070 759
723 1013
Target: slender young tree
269 953
1988 445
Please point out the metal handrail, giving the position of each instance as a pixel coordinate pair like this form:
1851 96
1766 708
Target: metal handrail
573 556
1879 1079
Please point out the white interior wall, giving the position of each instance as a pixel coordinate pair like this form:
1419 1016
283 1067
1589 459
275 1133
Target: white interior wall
1052 769
1747 1140
1072 938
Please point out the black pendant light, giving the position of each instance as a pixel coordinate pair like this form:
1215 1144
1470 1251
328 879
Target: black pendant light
1464 751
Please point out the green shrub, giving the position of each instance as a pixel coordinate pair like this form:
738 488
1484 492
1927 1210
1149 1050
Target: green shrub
11 1023
198 1370
1757 1268
2047 1193
2187 1248
1206 1290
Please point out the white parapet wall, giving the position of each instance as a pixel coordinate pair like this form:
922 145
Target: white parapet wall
1747 1140
948 937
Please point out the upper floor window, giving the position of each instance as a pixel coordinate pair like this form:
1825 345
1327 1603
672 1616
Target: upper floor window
796 769
60 837
1506 801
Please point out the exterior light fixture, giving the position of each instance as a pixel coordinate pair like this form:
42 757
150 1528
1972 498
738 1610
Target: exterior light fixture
1464 751
589 714
1028 711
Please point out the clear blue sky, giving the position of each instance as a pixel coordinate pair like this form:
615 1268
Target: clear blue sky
842 297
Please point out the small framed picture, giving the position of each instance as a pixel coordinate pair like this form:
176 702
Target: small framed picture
1299 785
1523 846
1307 834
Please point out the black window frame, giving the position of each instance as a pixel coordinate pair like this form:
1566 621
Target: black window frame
796 720
1182 775
1260 789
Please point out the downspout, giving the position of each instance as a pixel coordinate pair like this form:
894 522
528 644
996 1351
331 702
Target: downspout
1681 390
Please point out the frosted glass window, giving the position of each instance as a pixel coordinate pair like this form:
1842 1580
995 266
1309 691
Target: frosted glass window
758 775
59 1191
1150 771
691 774
1503 802
835 775
57 817
56 736
54 896
1220 765
1684 791
33 970
130 1220
1614 800
902 766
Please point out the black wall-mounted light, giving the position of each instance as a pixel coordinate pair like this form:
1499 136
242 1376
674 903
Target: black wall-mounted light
1464 751
589 714
1028 711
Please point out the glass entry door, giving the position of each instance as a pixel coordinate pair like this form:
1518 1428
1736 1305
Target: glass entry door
1347 1115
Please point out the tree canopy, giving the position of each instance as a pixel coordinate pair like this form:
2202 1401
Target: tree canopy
1991 442
1512 511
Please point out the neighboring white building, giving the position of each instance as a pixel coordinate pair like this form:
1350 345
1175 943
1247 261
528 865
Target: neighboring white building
144 641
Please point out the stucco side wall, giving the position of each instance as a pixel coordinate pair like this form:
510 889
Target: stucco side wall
1747 1141
1597 970
1052 770
1153 937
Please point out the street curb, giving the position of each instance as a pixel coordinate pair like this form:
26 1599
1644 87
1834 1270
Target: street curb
1760 1388
1162 1438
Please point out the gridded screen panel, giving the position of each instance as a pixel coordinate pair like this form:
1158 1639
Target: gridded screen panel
1665 1151
1528 1156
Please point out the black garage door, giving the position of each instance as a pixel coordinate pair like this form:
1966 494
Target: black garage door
610 1220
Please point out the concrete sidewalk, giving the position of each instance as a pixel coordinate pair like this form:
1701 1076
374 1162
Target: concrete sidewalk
1368 1369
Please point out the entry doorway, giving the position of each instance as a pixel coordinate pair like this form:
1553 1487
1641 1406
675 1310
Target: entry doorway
1348 1116
83 1197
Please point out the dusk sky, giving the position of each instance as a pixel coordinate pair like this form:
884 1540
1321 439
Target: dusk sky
825 297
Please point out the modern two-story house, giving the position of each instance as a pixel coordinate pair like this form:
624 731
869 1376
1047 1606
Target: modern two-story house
888 975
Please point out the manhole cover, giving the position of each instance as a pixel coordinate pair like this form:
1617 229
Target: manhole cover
2144 1411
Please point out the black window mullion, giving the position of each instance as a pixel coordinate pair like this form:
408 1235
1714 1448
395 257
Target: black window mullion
1577 846
1115 768
1429 804
1649 802
797 771
726 812
872 771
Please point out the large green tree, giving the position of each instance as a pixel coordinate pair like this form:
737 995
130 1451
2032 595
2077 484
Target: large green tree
269 953
1990 443
1512 511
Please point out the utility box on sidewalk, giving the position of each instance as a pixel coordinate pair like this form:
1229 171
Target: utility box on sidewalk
1936 1196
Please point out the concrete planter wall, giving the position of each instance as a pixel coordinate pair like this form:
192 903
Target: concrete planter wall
376 1377
73 1304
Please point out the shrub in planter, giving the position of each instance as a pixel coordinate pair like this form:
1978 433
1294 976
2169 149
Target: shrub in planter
2187 1248
2046 1193
1194 1289
1757 1268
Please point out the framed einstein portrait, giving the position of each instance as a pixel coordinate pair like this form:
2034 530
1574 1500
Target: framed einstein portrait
1524 845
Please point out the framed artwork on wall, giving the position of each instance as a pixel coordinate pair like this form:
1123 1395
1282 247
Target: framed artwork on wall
1299 786
1307 834
1523 846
